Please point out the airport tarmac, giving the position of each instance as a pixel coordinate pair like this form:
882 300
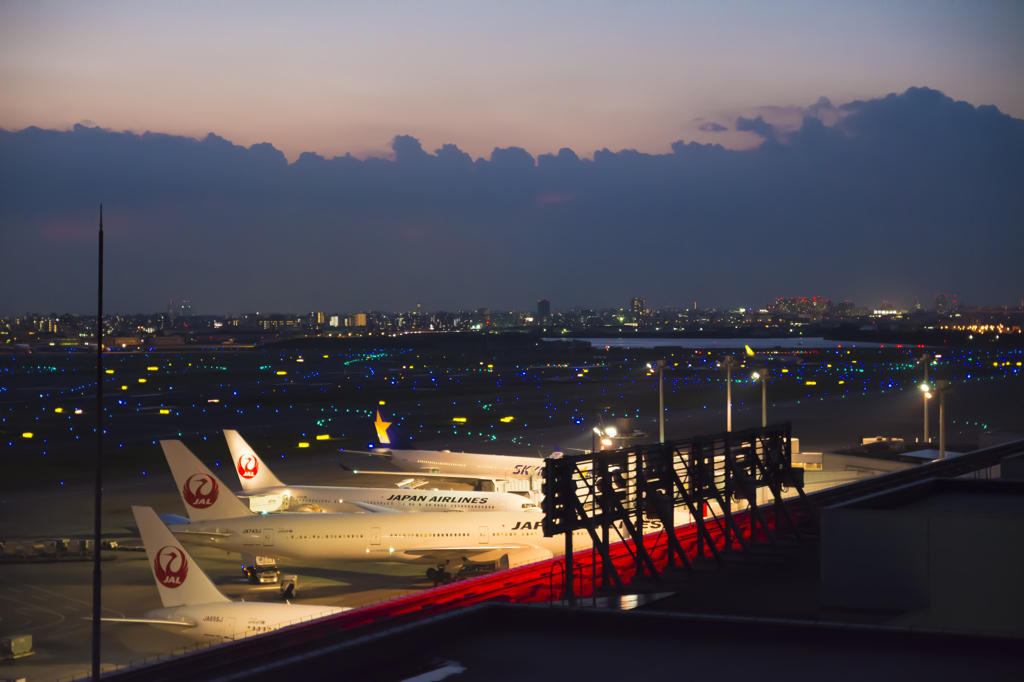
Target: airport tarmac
52 601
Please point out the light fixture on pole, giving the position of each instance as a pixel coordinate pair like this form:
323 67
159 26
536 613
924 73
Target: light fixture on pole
660 366
925 360
762 374
728 362
606 435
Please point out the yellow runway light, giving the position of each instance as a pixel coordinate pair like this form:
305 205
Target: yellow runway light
153 369
812 383
281 374
461 420
507 419
303 445
110 371
165 411
59 410
323 436
142 381
27 434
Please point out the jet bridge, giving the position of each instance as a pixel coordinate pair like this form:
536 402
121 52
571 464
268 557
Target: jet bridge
612 495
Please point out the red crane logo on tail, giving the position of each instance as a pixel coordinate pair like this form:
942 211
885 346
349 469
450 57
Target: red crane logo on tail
170 567
200 491
248 466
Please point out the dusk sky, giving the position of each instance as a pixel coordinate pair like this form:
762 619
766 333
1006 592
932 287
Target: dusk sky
803 196
334 78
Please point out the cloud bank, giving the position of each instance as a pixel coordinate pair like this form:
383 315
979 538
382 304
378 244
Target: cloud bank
910 194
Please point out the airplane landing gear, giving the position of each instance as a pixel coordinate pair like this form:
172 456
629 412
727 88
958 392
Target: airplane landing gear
444 574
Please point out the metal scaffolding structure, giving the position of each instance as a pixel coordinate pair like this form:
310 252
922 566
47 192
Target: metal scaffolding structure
705 479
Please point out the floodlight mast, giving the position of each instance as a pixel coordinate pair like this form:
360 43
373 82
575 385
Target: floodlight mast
942 386
728 362
661 400
926 359
762 374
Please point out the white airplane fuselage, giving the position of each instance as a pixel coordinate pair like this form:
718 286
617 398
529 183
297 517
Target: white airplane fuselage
334 499
424 538
235 619
467 464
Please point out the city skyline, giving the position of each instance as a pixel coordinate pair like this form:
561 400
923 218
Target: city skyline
941 303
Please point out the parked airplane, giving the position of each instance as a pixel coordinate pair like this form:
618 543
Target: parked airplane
267 493
772 356
193 606
448 541
448 465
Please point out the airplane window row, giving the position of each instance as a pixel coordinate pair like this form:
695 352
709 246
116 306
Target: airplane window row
427 535
351 536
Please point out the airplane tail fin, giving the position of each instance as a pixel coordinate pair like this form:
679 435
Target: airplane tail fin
179 579
252 471
204 495
387 430
750 351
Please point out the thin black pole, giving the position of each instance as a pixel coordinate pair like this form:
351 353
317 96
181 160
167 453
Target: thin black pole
97 579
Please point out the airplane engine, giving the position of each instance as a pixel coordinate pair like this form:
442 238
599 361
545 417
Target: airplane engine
528 555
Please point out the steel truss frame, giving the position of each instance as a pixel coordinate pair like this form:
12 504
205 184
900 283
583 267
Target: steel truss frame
620 490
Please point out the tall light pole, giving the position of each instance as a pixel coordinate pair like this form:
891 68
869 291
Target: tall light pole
660 365
942 386
97 572
762 374
728 362
925 360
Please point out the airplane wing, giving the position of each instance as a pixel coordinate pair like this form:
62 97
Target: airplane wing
423 474
461 551
207 533
151 621
443 554
517 554
374 508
